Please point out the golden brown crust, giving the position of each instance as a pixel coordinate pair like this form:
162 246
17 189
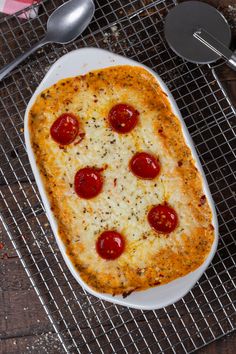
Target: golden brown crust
182 252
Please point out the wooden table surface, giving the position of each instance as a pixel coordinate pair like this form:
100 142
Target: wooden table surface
24 326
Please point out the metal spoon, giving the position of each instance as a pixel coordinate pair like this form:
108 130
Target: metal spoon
65 24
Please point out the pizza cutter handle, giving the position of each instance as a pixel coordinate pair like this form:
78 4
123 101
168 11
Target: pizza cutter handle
232 61
216 46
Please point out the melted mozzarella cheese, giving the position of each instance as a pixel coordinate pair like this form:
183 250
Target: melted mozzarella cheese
125 199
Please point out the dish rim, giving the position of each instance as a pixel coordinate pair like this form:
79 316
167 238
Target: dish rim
57 68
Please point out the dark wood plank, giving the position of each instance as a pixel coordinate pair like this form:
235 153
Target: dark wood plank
230 87
46 343
20 308
225 345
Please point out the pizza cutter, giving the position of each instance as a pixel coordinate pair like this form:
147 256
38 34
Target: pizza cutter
199 33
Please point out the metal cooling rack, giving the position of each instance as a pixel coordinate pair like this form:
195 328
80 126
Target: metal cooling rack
83 323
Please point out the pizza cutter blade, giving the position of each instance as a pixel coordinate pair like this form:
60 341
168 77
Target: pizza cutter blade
199 33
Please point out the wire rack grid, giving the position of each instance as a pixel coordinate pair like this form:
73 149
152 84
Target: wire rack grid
83 323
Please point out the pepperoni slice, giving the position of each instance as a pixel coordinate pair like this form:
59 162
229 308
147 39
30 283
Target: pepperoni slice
65 129
123 118
144 165
163 218
88 182
110 245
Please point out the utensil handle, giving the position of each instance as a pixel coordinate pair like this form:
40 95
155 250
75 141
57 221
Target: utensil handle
9 67
216 46
212 43
232 61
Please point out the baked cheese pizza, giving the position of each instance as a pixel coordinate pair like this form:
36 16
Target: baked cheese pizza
121 180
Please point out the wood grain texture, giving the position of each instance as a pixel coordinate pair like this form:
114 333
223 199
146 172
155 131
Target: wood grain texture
24 326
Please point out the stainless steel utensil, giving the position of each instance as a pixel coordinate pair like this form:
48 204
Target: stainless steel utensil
65 24
199 33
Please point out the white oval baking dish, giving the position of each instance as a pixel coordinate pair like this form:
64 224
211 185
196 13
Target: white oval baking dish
79 62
